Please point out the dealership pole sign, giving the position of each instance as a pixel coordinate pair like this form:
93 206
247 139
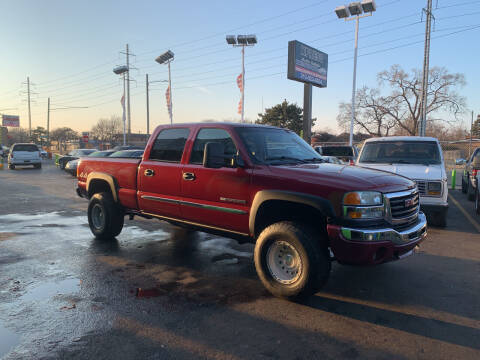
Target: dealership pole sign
11 120
306 64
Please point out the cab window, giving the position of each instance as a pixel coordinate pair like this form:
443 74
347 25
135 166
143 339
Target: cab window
213 135
169 145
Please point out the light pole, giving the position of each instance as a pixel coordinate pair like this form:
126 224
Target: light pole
242 40
148 82
122 70
354 11
167 58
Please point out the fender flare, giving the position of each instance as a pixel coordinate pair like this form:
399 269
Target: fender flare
317 202
109 179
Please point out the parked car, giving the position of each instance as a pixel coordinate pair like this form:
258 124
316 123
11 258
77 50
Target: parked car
43 153
127 147
71 166
469 176
24 154
72 155
128 154
264 185
418 158
347 154
460 161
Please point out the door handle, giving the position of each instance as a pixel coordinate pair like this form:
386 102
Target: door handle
149 172
188 176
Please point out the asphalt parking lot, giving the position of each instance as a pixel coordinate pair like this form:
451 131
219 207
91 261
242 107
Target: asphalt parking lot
159 292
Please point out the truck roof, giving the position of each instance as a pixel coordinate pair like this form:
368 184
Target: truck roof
401 138
222 123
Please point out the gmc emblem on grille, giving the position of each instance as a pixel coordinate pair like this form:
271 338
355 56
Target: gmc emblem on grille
409 202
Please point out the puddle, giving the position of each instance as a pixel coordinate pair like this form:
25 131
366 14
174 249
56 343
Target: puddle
7 235
50 289
8 340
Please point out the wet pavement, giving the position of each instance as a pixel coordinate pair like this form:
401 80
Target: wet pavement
160 292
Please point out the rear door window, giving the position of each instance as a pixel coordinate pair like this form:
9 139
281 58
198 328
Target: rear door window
169 145
25 147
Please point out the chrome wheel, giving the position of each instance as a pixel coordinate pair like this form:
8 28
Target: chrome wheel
98 217
284 262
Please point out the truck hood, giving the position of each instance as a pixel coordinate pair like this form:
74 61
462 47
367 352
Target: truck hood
344 177
412 171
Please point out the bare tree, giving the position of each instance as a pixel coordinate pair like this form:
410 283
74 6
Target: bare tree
62 135
108 130
371 115
401 109
18 135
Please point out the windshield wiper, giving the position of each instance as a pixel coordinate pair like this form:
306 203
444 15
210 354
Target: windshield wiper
314 160
283 158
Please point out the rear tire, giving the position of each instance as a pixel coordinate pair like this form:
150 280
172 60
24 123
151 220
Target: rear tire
291 260
11 167
105 217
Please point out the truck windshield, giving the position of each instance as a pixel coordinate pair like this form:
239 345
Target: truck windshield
276 146
401 152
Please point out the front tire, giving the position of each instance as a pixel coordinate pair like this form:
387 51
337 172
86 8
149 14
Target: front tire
291 260
464 186
470 191
477 202
105 217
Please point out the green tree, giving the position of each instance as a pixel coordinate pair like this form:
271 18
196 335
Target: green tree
284 115
39 135
476 128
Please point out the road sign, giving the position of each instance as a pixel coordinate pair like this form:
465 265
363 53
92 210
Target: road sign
11 120
306 64
85 137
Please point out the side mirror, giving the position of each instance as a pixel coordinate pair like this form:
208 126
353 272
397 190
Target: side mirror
213 155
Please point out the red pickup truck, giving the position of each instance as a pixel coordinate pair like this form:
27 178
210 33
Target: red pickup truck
264 185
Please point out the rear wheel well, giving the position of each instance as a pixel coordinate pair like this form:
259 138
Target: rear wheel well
273 211
98 186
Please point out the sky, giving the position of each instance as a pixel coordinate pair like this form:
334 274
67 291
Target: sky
69 48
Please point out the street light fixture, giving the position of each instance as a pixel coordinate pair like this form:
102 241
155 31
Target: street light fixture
122 70
237 41
167 58
353 11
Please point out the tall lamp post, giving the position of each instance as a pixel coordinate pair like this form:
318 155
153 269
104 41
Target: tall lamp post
122 70
167 58
237 41
354 11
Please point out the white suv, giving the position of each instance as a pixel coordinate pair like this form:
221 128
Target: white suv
418 158
24 154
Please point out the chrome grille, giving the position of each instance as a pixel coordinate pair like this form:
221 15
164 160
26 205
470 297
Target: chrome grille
422 187
403 207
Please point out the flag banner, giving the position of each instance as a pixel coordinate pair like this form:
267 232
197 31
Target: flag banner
169 101
240 106
122 101
240 82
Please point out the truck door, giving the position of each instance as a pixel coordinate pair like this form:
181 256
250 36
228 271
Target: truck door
160 173
215 197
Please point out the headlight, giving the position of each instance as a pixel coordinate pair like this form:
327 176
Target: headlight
364 198
434 188
363 205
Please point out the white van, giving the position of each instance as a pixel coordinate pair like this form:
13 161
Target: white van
24 154
415 157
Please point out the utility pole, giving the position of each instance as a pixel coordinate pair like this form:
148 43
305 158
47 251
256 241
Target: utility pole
148 108
48 123
354 86
426 67
471 133
128 92
29 111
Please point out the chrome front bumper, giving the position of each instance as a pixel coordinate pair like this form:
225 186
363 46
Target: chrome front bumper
416 232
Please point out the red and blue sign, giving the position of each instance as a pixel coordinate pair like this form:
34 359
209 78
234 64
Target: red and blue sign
307 64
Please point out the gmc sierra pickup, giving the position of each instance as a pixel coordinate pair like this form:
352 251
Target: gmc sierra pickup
260 184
